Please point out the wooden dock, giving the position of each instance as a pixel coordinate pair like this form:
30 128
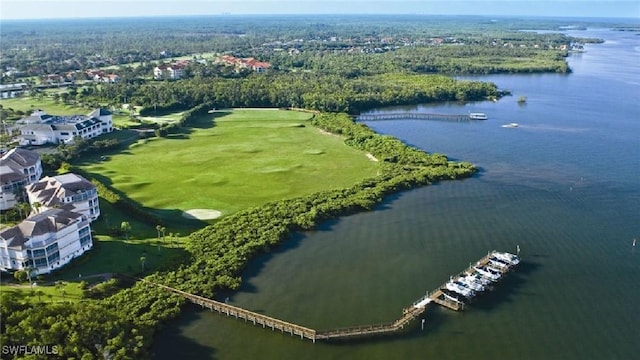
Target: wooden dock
247 315
412 116
408 314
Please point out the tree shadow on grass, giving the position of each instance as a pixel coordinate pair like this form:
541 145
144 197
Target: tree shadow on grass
116 256
207 121
167 217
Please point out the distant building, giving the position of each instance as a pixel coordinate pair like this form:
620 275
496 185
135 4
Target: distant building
18 168
170 71
241 63
41 128
102 76
69 191
45 241
12 90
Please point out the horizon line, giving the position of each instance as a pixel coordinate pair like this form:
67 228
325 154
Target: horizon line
229 14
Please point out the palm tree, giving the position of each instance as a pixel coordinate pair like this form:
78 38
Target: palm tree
158 229
60 287
22 209
29 269
36 206
125 227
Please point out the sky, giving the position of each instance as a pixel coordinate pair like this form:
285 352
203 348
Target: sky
50 9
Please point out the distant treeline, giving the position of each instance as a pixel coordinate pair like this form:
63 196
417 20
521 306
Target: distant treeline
330 93
82 44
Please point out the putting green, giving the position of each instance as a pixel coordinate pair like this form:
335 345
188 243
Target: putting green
202 214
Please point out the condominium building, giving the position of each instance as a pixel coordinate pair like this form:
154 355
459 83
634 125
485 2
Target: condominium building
45 241
18 168
69 191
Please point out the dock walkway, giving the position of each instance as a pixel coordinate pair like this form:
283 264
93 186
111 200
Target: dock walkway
412 116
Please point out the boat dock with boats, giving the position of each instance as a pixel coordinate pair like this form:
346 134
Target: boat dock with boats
455 294
421 116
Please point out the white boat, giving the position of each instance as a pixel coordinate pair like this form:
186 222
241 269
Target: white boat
482 279
484 271
471 284
497 264
464 291
511 125
477 116
452 298
509 258
464 284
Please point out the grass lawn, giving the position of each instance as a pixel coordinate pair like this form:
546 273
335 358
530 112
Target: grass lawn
232 160
165 119
69 291
29 104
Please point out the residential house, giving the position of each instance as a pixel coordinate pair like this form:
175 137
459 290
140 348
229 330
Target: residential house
250 63
18 168
102 76
53 79
41 128
69 191
45 241
170 71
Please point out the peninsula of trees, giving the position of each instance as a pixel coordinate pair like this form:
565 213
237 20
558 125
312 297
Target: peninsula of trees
331 66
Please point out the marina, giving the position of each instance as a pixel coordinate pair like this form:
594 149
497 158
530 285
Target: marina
420 116
497 263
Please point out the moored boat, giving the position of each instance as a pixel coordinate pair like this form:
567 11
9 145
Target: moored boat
471 284
509 258
498 265
462 290
478 116
488 272
454 296
481 278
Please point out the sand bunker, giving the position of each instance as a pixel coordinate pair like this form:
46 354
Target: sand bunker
202 214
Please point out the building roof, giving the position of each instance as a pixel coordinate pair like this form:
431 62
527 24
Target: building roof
50 190
49 221
99 112
9 175
42 119
36 127
13 163
20 157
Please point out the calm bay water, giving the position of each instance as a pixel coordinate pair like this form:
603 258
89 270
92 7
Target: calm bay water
564 186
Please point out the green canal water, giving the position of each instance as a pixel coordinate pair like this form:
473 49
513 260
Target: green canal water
564 186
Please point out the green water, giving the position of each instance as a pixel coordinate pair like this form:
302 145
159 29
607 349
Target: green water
564 186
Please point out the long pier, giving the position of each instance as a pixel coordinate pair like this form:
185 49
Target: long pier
412 116
408 314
